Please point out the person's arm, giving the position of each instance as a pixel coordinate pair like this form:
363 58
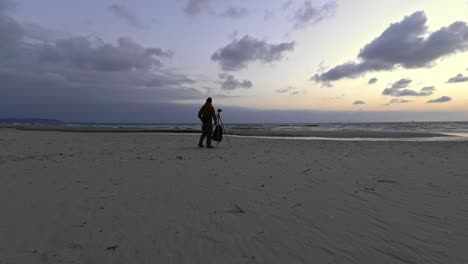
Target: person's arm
200 114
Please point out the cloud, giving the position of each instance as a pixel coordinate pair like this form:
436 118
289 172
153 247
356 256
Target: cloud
398 92
284 90
459 78
239 53
309 15
291 90
406 44
70 76
399 101
396 89
359 102
403 83
81 52
235 12
336 97
373 81
229 82
442 99
196 7
128 16
10 31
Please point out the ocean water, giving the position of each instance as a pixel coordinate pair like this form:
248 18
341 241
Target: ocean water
450 128
458 130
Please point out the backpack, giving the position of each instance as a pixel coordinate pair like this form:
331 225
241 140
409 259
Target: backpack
217 133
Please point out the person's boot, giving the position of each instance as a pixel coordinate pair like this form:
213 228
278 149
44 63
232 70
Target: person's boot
209 147
201 145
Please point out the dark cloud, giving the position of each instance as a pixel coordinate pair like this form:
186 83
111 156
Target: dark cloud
336 97
36 33
396 89
309 15
398 92
442 99
128 16
237 54
83 53
373 81
291 90
459 78
168 80
73 75
284 90
406 44
235 12
196 7
399 101
11 33
349 69
229 82
403 83
359 102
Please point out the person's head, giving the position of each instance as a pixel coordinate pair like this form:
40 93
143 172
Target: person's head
209 100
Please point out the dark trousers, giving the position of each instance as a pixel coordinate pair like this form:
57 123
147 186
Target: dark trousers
207 131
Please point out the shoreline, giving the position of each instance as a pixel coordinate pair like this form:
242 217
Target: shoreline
237 132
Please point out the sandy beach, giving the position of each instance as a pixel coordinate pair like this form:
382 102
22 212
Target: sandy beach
157 198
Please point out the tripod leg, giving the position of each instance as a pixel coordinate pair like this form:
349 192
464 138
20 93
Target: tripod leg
225 133
217 136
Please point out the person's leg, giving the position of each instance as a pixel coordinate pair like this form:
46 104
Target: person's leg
202 137
209 133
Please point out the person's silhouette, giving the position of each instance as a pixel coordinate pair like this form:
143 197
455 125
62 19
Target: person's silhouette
206 115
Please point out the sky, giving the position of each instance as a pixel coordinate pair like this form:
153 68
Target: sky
260 61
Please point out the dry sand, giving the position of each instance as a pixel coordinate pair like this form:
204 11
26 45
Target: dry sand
156 198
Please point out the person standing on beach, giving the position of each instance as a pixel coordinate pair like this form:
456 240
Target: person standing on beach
206 114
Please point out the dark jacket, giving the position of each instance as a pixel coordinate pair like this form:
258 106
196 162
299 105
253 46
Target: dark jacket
206 113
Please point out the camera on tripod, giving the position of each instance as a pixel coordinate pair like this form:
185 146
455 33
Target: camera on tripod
220 110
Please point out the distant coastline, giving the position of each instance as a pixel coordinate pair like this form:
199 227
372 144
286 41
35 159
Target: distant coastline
31 121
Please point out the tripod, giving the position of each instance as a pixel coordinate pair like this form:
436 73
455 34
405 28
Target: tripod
220 123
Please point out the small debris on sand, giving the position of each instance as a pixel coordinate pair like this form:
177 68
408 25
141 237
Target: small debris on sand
387 181
112 248
239 209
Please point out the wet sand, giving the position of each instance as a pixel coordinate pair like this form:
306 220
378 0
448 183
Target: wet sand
236 131
157 198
